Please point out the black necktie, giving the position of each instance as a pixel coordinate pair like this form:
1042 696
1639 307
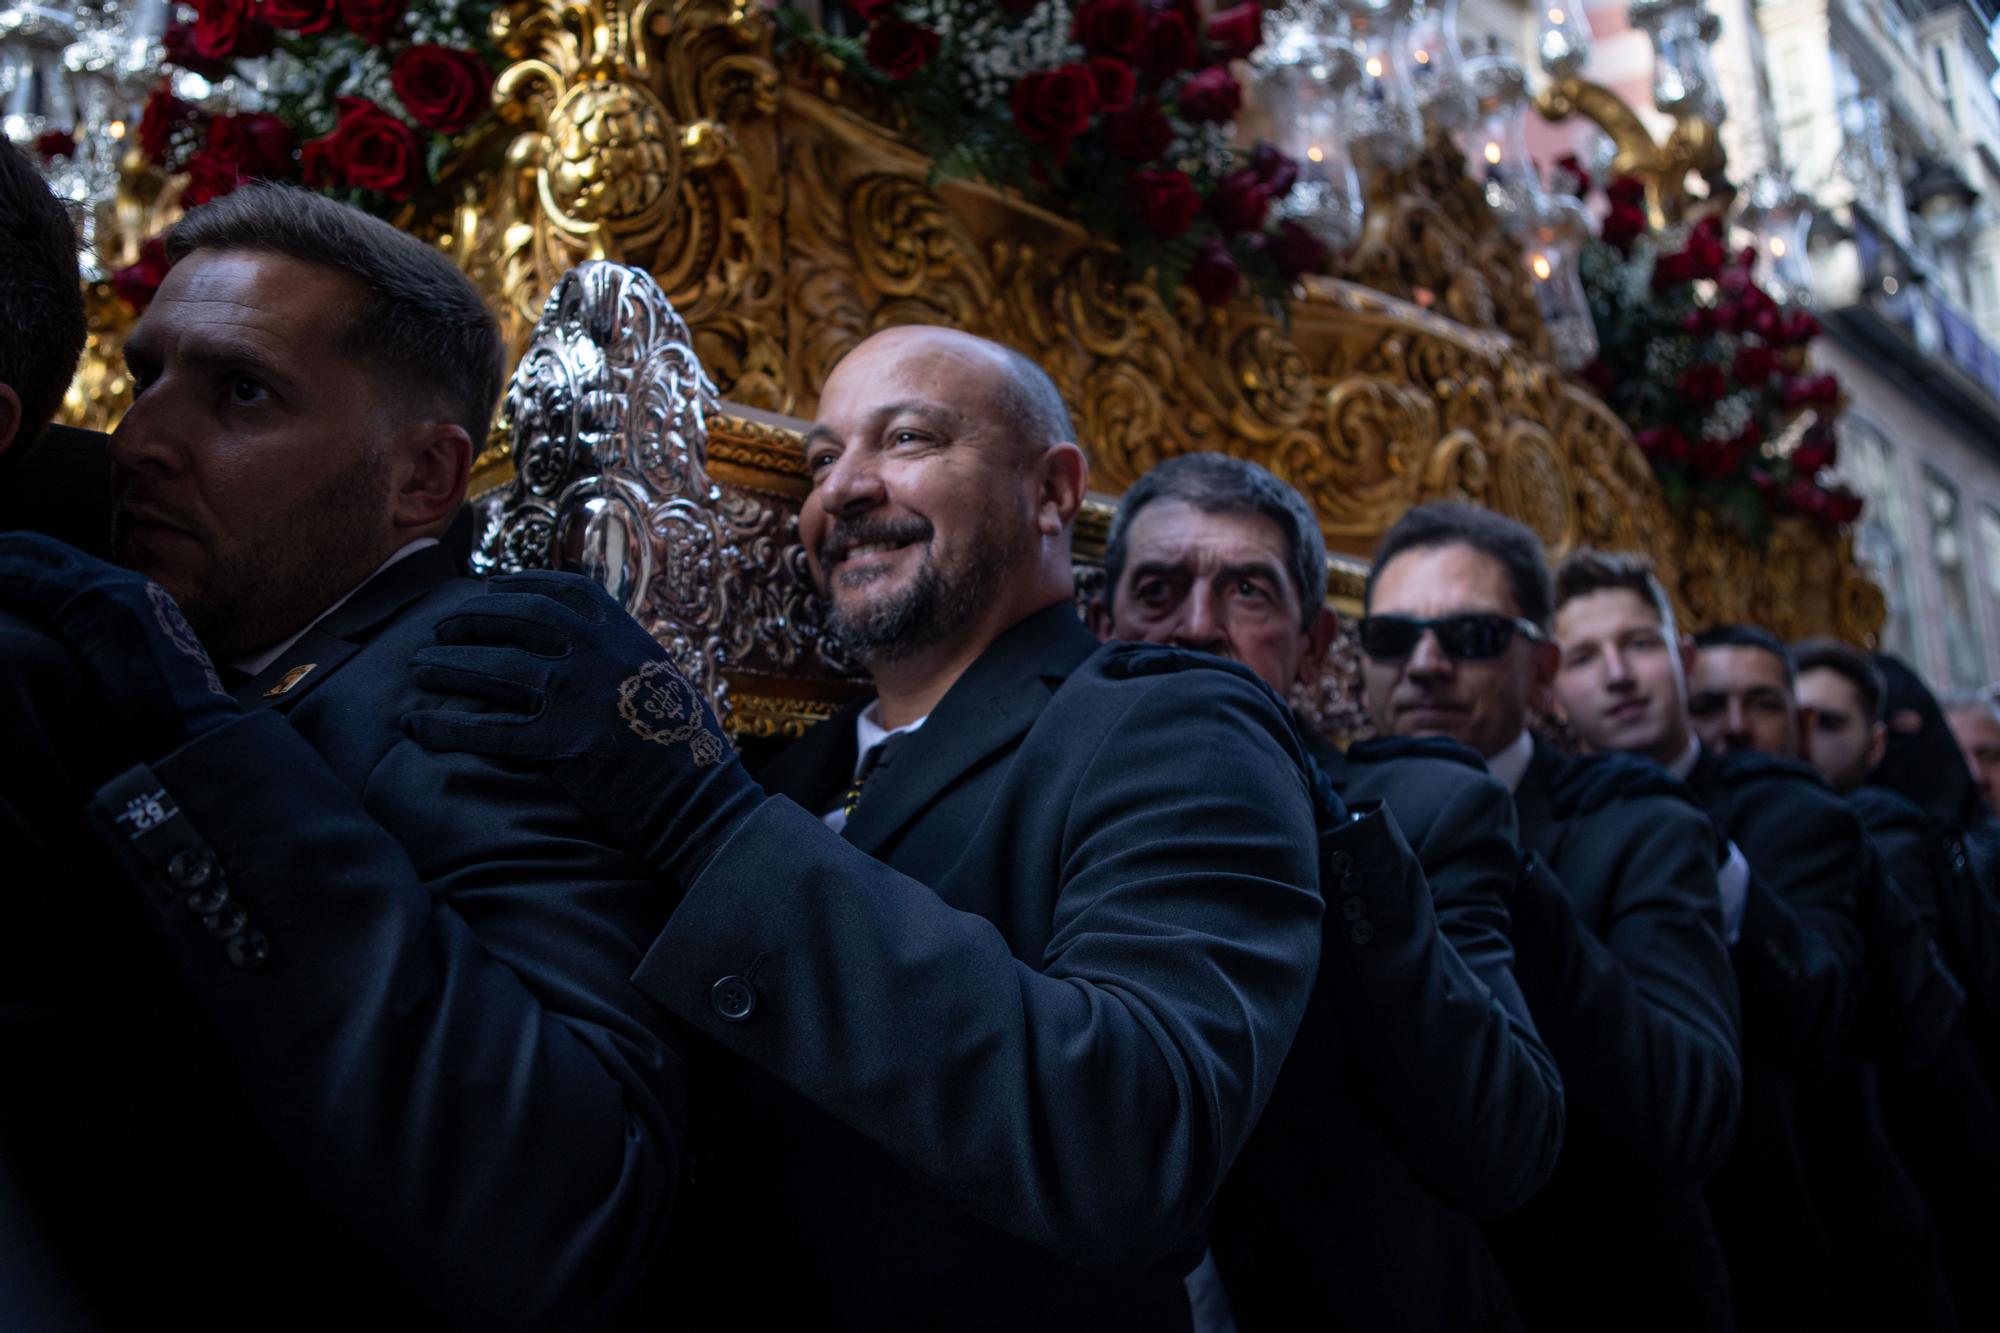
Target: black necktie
873 762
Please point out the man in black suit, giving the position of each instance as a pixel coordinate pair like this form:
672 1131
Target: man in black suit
1617 925
427 1085
1940 1112
1812 849
1418 1095
980 1058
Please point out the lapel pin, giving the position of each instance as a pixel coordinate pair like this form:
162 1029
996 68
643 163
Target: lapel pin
289 679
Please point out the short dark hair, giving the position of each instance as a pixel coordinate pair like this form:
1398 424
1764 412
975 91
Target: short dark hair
423 324
1588 571
1850 662
1454 523
1748 636
41 298
1219 484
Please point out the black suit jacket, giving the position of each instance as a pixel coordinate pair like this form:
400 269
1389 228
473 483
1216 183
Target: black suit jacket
1617 930
1418 1095
449 1066
1821 1222
1006 1036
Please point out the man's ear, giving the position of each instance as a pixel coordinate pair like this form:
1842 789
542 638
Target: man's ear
435 463
1319 638
10 417
1808 719
1690 655
1099 618
1065 475
1878 744
1544 660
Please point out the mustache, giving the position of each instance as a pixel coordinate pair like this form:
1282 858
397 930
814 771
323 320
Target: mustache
844 537
131 502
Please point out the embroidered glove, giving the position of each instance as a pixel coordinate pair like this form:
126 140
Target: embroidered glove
141 652
547 668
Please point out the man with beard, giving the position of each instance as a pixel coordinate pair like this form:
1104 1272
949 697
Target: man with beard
1940 1112
979 1059
1617 927
424 1082
1799 955
1417 1096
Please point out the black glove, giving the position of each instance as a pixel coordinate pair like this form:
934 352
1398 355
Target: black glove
141 652
563 678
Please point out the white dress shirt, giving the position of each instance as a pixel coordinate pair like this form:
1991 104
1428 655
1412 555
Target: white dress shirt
1511 764
868 733
1733 880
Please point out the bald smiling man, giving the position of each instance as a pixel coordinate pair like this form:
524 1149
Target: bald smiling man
991 972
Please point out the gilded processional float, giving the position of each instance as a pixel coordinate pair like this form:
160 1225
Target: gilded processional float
1327 250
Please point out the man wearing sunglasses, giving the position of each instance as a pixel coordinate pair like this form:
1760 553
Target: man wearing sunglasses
1616 925
1417 1094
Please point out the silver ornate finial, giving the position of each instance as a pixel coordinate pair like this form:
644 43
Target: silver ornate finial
609 416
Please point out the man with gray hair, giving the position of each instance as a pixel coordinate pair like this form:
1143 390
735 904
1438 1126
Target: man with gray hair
423 1087
1418 1095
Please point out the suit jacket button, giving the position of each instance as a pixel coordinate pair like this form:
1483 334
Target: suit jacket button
1361 932
227 921
733 999
1340 863
1352 908
209 900
191 869
249 949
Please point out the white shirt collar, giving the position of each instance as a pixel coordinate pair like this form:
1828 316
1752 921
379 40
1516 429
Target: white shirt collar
1511 764
869 731
1684 765
254 666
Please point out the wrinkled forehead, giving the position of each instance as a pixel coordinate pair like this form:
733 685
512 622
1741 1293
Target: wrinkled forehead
1174 531
1443 581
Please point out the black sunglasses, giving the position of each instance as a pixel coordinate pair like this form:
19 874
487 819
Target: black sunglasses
1473 637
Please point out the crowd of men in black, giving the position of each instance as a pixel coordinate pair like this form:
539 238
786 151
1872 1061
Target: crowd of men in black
385 948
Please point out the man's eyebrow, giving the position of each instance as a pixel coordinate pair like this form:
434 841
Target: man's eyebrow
938 413
1261 568
1156 566
223 353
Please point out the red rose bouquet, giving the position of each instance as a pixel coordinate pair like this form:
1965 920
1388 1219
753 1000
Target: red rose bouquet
1117 112
1710 372
362 99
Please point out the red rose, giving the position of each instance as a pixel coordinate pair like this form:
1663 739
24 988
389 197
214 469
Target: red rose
1624 224
1140 133
1278 172
1753 366
1116 82
135 283
1704 252
1051 107
1702 384
1214 275
1237 32
1626 192
52 144
306 16
1842 506
1735 282
443 89
1815 453
1825 389
1111 28
1800 328
1297 251
899 49
210 176
224 29
1580 179
1166 201
1663 442
258 142
319 163
1716 461
370 149
163 115
373 21
178 44
1170 44
1804 495
1671 271
1240 202
1212 95
871 10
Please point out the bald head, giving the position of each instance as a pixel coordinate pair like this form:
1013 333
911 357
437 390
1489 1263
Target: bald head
1021 397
